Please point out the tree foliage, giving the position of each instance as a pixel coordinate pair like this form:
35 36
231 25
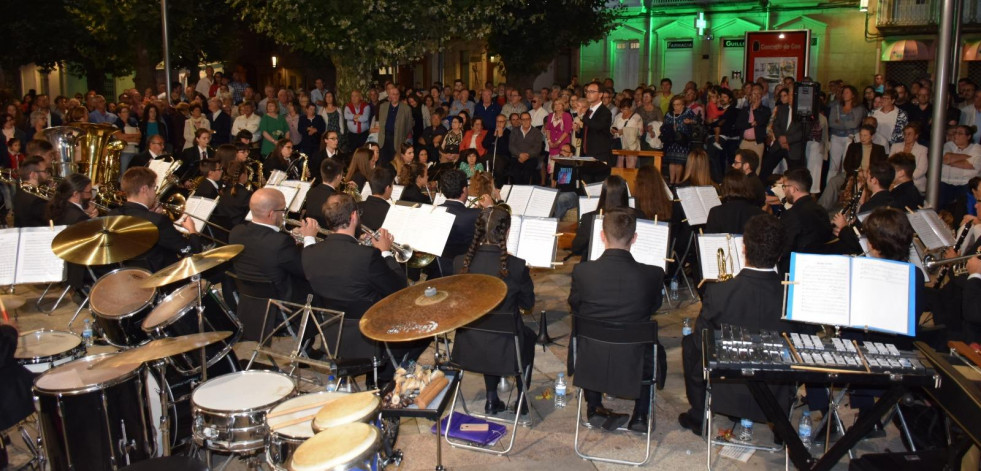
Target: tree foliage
535 32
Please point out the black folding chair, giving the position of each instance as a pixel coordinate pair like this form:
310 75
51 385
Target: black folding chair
253 297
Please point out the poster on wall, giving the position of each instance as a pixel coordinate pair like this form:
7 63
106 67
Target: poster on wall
774 55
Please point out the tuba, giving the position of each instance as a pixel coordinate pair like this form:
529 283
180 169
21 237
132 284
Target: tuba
98 152
63 139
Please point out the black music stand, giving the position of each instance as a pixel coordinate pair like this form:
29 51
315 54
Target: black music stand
577 164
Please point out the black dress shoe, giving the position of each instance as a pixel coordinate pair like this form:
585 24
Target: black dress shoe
493 406
596 416
638 423
687 421
524 407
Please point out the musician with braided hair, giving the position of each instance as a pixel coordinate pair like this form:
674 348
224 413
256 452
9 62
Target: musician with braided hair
492 353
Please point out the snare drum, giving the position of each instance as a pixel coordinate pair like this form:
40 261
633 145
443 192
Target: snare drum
230 411
120 304
93 418
284 441
41 350
350 446
176 315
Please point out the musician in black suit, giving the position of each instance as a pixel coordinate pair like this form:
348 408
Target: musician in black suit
493 353
616 288
414 177
350 277
193 155
233 205
16 396
612 195
747 161
739 204
72 203
597 141
454 184
139 184
904 192
221 123
375 207
330 175
29 209
971 303
211 185
806 222
154 150
878 178
752 299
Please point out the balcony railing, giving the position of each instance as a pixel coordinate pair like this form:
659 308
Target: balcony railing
924 13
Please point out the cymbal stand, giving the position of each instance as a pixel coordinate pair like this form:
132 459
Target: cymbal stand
161 367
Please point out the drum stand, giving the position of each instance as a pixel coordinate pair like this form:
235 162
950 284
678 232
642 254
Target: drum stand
161 367
196 279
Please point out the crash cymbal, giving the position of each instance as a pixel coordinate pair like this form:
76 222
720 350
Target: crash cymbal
161 348
431 308
193 265
105 240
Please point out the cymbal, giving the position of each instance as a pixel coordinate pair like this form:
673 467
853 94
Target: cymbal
105 240
193 265
161 348
432 308
12 301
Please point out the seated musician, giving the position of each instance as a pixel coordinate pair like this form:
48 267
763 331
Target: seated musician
971 302
492 351
192 156
877 180
954 304
154 150
350 278
753 300
455 187
806 223
233 205
739 204
904 192
617 288
747 161
210 186
29 208
415 180
72 203
16 394
330 175
375 207
139 185
612 196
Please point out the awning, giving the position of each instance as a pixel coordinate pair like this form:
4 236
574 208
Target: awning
972 50
906 50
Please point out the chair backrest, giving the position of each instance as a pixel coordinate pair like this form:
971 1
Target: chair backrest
621 333
262 289
498 323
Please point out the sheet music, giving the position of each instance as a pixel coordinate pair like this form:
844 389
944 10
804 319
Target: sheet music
923 230
505 191
939 227
820 291
709 197
431 232
871 278
514 234
541 202
537 241
587 204
695 212
596 247
438 199
864 242
9 239
37 263
365 191
651 246
593 190
397 192
202 208
914 258
395 221
708 249
632 202
276 177
161 168
301 194
519 197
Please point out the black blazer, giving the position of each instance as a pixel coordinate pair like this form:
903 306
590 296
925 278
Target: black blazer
190 158
971 310
141 160
808 228
171 243
906 195
491 352
412 194
221 128
596 137
853 155
848 243
72 214
314 206
16 395
231 209
731 216
207 190
794 132
373 212
268 255
614 288
29 210
461 234
350 278
762 117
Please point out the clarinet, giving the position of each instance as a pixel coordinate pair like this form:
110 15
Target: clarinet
946 269
851 209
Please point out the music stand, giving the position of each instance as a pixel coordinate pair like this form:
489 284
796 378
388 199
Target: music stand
577 163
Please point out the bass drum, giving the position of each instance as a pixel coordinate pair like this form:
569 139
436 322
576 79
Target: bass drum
93 419
119 305
41 350
179 387
176 315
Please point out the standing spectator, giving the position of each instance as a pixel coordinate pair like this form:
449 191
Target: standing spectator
474 139
333 116
514 105
498 145
195 122
525 148
272 128
753 121
663 99
789 138
151 125
311 127
627 129
538 114
130 134
961 161
204 84
357 115
270 97
971 115
911 145
558 130
247 121
843 121
418 119
318 93
293 121
676 136
221 123
891 121
395 124
99 114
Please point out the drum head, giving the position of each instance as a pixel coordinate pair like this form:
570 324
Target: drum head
79 376
118 293
45 343
303 429
243 391
174 306
336 447
346 409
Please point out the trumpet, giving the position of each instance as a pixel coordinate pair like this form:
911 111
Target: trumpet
298 223
401 252
724 262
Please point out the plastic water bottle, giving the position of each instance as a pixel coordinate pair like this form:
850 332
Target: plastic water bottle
560 389
674 289
331 383
686 327
87 333
804 428
744 431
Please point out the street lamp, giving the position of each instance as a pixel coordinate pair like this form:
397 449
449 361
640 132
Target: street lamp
275 61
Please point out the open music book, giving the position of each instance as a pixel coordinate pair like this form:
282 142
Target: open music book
697 201
533 239
593 190
425 228
651 247
857 292
289 194
200 207
162 168
301 194
439 199
397 192
365 191
708 252
530 200
26 256
931 230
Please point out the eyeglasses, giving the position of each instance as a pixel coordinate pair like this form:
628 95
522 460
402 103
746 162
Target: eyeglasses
592 91
281 210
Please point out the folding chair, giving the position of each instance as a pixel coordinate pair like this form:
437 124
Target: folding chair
502 324
254 295
620 337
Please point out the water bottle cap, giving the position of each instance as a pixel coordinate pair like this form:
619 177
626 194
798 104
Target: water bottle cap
746 423
807 413
561 375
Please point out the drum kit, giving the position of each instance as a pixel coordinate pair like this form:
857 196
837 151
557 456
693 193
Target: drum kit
107 411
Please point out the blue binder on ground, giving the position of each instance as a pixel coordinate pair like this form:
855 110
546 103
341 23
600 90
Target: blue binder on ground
487 437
